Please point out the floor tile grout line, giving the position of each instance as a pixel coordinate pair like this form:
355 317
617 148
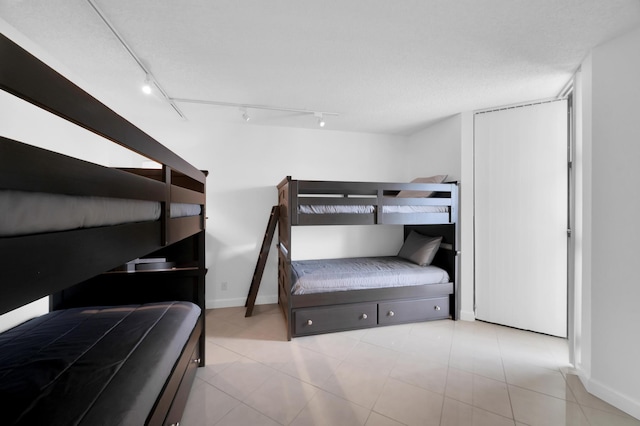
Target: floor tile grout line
266 415
542 393
506 382
446 383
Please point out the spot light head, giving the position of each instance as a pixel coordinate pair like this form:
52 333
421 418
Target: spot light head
146 87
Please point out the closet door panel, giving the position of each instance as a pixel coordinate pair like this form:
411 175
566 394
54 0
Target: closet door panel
521 217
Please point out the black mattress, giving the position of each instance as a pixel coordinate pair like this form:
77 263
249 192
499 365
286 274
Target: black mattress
91 366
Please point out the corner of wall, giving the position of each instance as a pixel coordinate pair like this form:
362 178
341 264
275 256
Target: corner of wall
606 393
467 285
447 147
443 138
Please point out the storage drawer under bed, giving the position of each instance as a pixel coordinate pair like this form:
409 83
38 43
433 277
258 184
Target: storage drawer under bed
335 318
362 315
401 311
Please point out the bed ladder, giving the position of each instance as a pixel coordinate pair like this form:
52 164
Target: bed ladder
262 260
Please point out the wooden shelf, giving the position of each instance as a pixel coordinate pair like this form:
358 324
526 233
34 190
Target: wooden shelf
185 282
177 269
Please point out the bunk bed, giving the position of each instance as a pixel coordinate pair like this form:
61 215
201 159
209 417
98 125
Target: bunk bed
313 294
119 345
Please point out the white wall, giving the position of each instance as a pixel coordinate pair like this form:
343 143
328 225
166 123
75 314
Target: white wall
56 134
436 150
24 313
612 297
446 147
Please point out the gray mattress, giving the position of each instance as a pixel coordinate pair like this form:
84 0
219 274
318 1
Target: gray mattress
25 213
329 275
90 366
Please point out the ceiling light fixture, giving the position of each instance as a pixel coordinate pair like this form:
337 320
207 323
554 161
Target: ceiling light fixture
245 114
320 118
147 87
152 81
243 107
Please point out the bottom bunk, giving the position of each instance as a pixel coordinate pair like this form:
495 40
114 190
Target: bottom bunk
419 284
101 365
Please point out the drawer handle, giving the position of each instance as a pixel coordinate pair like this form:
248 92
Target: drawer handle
437 308
309 322
391 313
196 361
364 316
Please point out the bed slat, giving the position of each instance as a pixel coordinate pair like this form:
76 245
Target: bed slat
28 168
46 263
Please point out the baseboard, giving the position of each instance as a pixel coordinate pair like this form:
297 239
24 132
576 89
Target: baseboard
240 301
467 316
610 396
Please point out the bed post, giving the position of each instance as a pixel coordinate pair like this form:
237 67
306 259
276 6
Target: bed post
454 204
292 202
379 204
165 207
456 299
284 250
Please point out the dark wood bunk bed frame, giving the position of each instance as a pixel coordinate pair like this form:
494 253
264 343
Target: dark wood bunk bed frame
73 266
317 313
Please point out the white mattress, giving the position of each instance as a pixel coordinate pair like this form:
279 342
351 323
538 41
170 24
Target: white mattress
329 275
333 209
26 213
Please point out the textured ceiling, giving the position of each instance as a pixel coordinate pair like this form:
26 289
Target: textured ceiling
385 66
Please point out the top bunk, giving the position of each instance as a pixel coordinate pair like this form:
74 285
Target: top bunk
312 202
66 220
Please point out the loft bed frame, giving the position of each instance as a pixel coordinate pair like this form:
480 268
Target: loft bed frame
343 310
72 266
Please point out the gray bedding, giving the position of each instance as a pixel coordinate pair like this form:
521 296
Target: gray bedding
329 275
25 213
92 366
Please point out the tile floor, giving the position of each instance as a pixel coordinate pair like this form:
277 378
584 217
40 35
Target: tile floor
433 373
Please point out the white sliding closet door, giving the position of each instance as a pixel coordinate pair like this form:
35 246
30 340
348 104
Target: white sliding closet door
521 217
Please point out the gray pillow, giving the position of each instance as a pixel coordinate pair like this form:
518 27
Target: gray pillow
420 249
419 194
